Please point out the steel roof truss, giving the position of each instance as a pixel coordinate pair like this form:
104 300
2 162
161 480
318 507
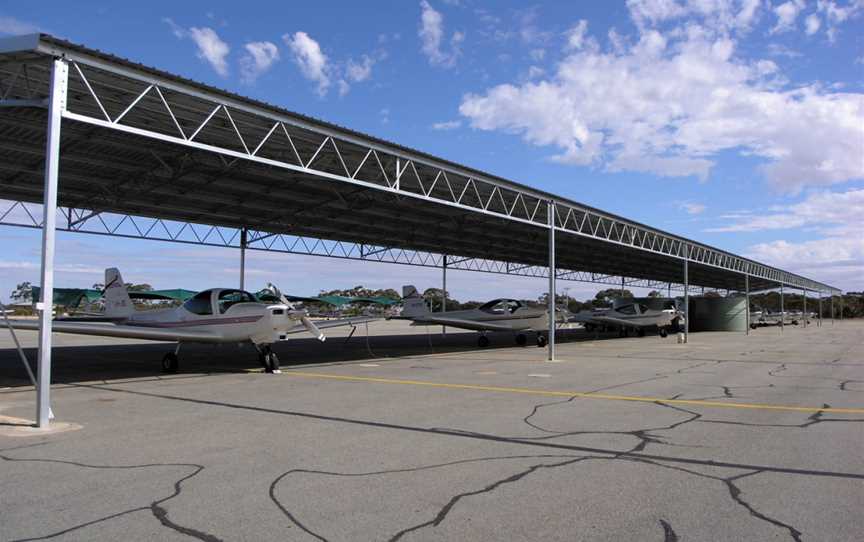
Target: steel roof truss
129 90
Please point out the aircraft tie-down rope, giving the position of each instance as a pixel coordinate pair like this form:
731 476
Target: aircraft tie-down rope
22 355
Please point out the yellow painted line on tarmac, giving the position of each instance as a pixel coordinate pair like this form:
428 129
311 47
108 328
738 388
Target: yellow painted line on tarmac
586 395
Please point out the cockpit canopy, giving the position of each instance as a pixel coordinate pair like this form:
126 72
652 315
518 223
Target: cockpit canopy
501 306
204 303
632 308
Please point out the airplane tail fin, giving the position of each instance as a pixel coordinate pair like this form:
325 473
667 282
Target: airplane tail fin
118 304
413 303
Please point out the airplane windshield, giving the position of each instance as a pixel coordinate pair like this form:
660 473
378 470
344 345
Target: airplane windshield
200 304
627 309
501 306
229 298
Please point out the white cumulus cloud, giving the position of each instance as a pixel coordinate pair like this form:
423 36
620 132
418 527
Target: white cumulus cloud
431 34
668 102
210 46
447 125
832 212
312 61
812 24
259 58
836 13
692 208
787 13
836 258
727 15
837 261
359 70
576 35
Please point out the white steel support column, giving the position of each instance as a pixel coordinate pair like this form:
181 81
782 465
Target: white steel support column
551 341
444 290
819 321
243 242
56 105
686 294
747 297
782 312
804 311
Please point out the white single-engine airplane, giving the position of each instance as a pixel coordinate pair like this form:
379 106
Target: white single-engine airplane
496 315
630 316
219 315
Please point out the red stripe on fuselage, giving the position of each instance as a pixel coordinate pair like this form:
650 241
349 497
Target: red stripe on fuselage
202 322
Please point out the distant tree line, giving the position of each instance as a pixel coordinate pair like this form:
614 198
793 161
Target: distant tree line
851 303
362 291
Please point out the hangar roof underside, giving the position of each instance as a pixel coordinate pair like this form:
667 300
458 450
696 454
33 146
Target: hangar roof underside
140 142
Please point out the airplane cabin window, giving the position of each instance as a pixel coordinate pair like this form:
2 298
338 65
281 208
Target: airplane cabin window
228 298
200 304
501 306
493 307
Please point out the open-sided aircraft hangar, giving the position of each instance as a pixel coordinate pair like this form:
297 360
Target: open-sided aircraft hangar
97 144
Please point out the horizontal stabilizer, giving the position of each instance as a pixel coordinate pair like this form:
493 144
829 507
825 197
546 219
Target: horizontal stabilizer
340 322
473 325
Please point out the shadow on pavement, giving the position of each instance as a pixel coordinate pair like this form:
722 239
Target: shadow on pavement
140 360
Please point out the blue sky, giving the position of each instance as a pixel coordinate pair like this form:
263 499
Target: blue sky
736 123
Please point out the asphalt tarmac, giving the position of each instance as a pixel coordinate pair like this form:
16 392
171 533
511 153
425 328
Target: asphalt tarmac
412 436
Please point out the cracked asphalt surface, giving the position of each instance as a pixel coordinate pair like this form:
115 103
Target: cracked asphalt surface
420 437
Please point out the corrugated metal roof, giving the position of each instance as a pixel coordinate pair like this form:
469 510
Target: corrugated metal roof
102 167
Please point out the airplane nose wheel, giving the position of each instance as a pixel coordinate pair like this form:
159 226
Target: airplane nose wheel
170 363
663 333
269 359
541 340
483 341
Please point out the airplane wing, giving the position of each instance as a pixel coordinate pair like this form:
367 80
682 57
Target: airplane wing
620 321
473 325
118 330
324 324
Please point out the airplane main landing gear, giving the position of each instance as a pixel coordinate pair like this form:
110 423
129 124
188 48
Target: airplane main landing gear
521 339
541 340
269 359
483 341
663 332
170 363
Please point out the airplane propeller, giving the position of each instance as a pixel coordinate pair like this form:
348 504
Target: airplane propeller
296 314
311 327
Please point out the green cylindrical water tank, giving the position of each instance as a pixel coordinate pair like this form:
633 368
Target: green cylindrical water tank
718 314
